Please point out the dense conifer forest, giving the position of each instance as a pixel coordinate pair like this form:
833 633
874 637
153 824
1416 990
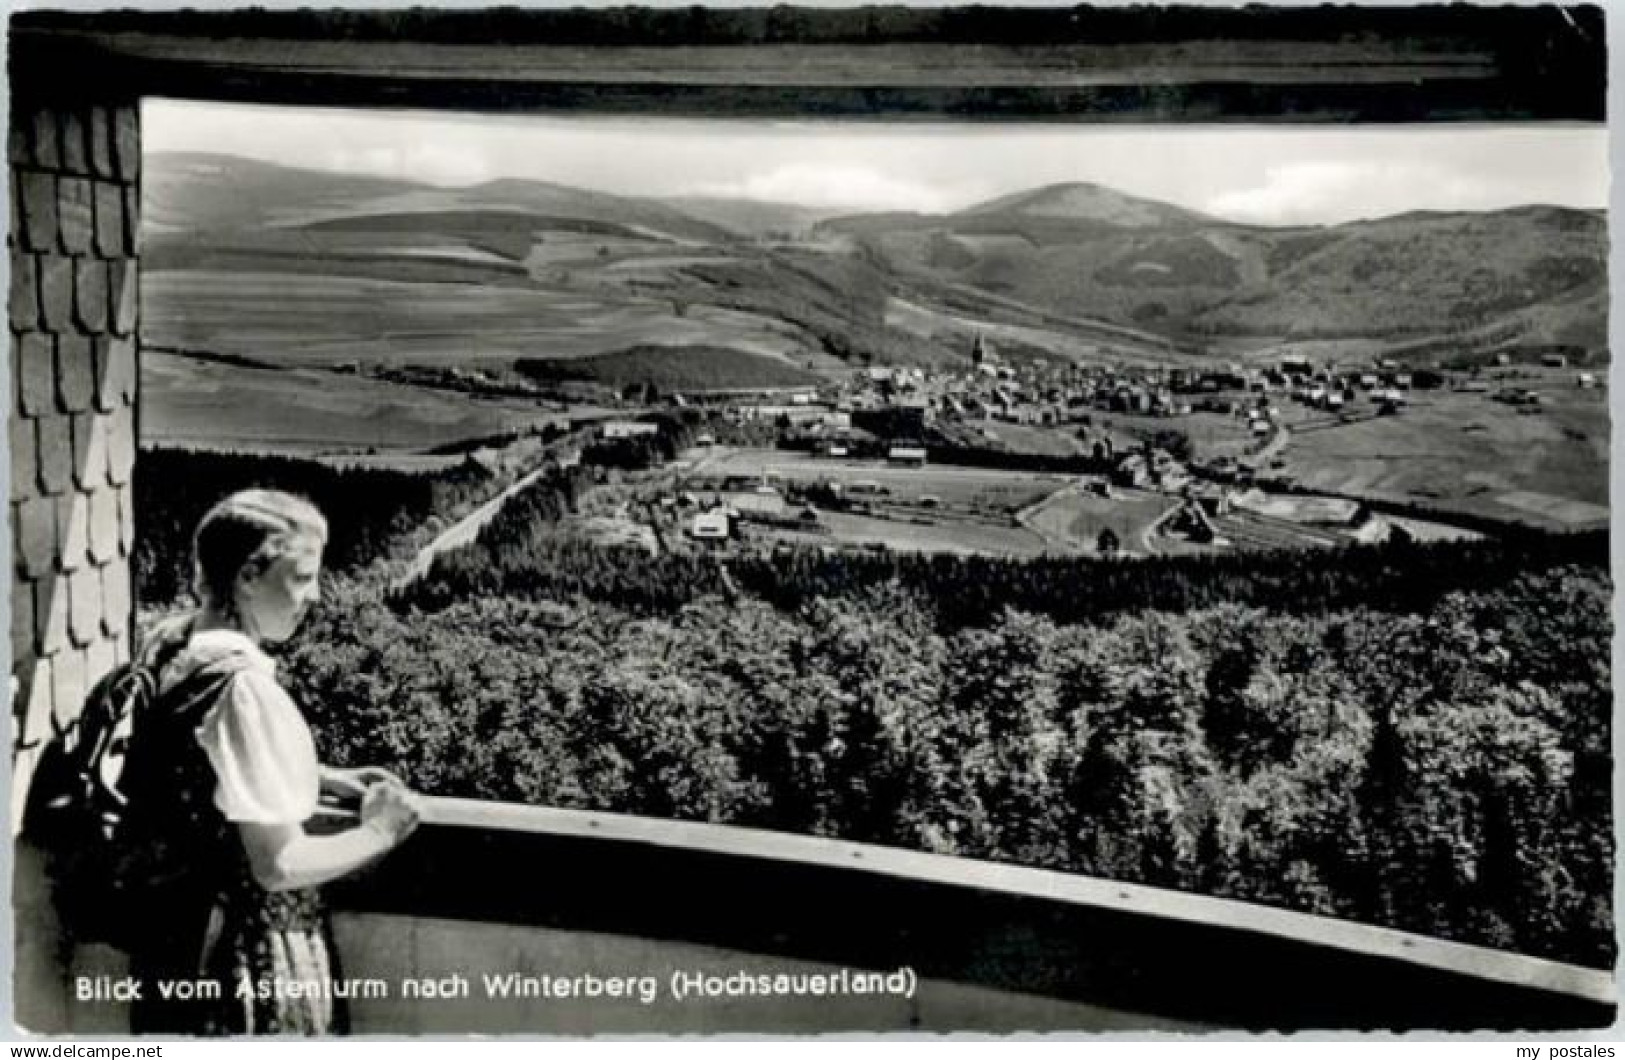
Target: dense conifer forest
1409 735
367 508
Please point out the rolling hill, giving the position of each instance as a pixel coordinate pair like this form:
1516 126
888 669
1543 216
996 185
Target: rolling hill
189 192
1083 202
748 217
303 268
1419 274
300 267
1524 277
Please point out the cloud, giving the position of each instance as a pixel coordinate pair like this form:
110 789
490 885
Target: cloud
1333 192
425 163
837 187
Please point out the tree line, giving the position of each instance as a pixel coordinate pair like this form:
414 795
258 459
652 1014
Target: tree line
526 561
1443 770
367 508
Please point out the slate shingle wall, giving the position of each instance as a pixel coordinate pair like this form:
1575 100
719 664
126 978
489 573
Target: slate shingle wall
74 183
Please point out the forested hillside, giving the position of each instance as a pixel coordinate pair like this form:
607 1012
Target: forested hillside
1410 735
1525 276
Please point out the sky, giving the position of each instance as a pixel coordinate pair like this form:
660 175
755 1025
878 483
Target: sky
1257 174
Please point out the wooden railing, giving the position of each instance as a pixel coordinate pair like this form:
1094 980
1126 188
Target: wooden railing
498 887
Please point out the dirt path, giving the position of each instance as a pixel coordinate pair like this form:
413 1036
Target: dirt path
704 460
1272 448
463 532
467 529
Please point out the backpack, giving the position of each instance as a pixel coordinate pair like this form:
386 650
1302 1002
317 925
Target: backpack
109 864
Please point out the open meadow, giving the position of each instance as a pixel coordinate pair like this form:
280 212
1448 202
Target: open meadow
206 404
959 487
1212 434
1039 441
1463 451
400 322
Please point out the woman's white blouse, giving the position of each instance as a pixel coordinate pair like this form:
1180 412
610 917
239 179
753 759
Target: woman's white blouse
263 754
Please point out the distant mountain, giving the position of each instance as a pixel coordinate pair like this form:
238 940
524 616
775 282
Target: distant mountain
1523 276
1535 270
1088 203
266 261
195 192
292 266
751 217
192 192
649 216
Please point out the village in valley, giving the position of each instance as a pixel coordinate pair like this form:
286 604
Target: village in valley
1066 371
1022 458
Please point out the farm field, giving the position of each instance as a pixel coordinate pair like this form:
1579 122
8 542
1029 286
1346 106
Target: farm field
1268 351
1213 434
185 401
953 486
1465 452
960 331
1247 530
1040 441
350 318
1216 434
959 536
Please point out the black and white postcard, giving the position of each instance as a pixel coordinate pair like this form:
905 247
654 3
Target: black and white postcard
868 521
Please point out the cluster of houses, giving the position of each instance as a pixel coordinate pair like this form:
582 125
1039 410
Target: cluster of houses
1151 469
1333 388
1207 489
1040 394
891 410
903 402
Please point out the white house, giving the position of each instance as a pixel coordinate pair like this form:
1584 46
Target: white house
616 429
713 525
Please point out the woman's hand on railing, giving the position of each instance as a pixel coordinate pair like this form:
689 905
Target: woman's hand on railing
343 789
390 809
345 783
